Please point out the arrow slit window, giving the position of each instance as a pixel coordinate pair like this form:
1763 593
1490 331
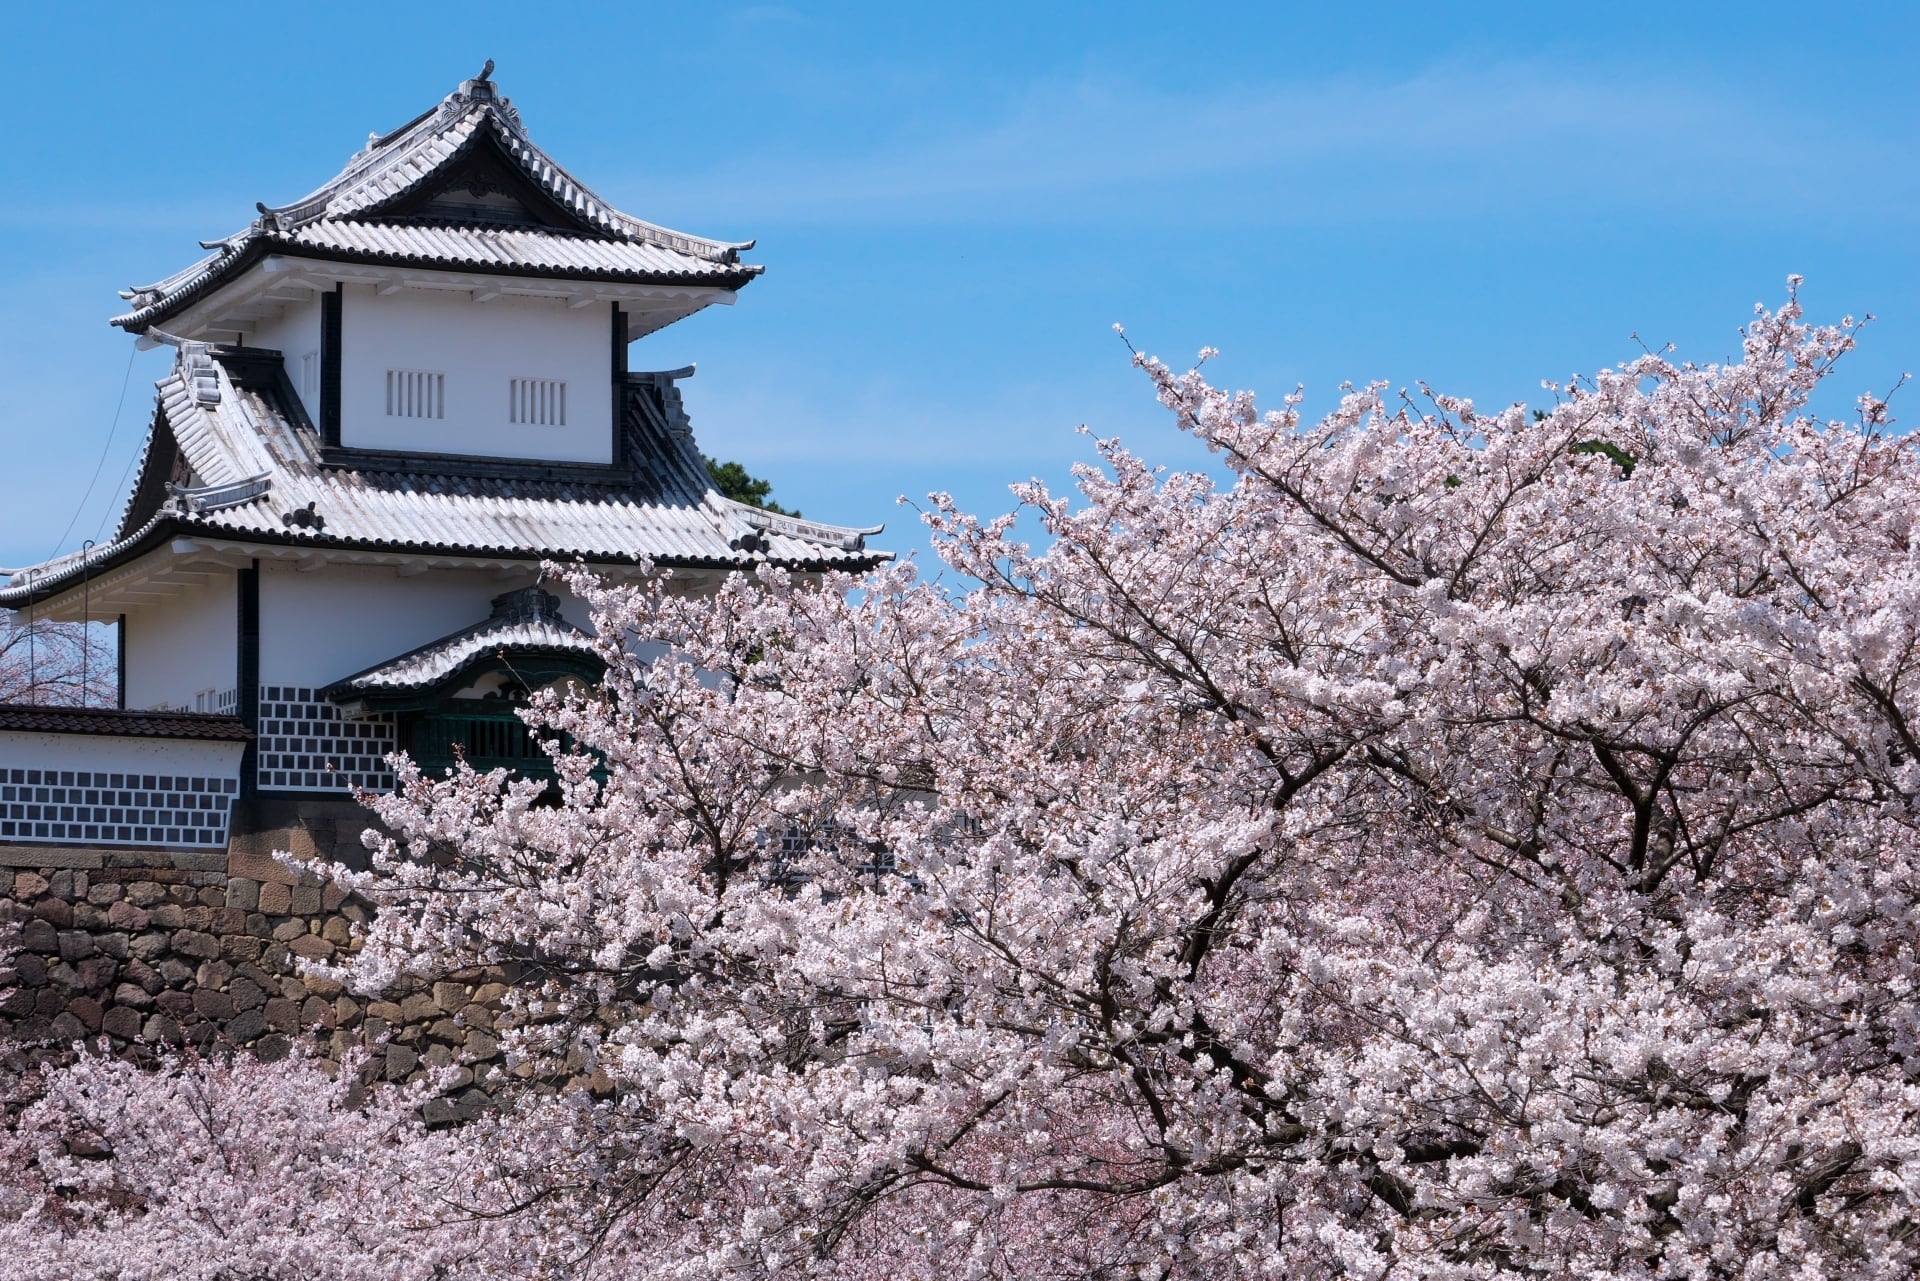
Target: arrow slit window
416 393
537 402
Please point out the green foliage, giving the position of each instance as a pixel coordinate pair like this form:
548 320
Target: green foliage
1619 457
736 482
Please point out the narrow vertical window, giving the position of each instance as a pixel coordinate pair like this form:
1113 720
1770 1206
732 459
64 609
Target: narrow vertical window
416 393
537 402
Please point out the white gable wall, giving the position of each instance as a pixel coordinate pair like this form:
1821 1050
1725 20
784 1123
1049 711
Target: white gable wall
295 334
182 647
319 627
477 348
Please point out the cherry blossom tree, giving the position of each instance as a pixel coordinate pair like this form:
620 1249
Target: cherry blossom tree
47 663
1463 844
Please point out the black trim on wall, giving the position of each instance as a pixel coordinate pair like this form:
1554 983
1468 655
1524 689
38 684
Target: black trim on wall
247 677
120 663
330 366
617 427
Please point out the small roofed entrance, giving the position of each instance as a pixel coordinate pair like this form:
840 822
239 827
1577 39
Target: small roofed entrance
459 698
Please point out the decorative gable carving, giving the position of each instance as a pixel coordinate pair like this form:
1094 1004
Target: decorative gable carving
483 185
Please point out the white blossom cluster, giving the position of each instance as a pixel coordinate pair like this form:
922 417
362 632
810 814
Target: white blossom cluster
1467 844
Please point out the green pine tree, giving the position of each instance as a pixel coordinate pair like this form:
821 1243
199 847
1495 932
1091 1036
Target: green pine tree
736 482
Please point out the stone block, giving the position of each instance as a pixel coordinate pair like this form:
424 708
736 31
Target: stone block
445 1030
114 944
16 1002
175 1002
400 1062
242 948
161 1029
272 1048
55 912
122 1021
246 994
104 892
337 931
196 943
346 1011
97 972
246 858
290 929
39 936
88 1011
28 886
227 920
316 1012
48 857
66 1027
29 970
332 896
246 1025
76 945
304 900
168 916
175 971
123 915
320 985
282 1015
132 995
149 947
213 895
276 898
146 893
143 974
311 946
243 893
388 1010
479 1046
211 1004
69 883
88 917
419 1008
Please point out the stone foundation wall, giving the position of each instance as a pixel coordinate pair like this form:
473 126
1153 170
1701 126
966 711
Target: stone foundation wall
138 951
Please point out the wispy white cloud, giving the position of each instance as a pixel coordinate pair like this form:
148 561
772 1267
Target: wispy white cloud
1444 142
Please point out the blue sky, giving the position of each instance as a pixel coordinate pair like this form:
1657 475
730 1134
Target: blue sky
954 206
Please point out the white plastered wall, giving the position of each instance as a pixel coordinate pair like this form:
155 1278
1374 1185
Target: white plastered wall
182 646
109 753
295 334
316 628
478 347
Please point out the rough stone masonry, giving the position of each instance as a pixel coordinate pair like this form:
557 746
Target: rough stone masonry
137 951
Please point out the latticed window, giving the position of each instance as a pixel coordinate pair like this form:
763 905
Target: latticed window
537 402
416 393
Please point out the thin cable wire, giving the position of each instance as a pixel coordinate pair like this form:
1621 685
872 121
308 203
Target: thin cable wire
126 379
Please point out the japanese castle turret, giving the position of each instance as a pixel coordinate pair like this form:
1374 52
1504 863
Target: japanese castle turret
391 401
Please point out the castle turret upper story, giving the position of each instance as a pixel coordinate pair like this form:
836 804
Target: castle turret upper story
390 402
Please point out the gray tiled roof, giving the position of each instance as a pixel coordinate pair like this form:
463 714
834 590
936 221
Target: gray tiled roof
23 718
257 473
523 621
344 219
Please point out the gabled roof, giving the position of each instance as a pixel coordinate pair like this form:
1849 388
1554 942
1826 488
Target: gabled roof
524 622
460 187
233 455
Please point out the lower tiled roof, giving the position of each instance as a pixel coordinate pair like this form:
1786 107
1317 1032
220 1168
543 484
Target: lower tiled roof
34 719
